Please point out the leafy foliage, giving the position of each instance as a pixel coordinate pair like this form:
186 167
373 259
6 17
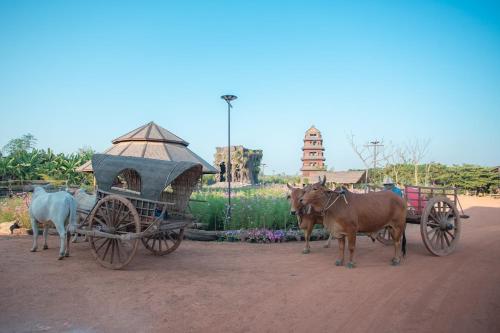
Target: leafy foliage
23 144
24 162
466 176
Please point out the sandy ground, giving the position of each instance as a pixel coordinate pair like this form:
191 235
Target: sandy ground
214 287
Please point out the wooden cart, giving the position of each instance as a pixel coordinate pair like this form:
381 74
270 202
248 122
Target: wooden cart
138 200
436 209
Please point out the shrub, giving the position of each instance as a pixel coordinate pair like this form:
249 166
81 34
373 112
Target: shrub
252 208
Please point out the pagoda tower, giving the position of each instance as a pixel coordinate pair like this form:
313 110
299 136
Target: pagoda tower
313 159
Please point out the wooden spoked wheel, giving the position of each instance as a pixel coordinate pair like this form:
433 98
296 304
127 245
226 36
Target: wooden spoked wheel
440 226
163 242
114 215
384 236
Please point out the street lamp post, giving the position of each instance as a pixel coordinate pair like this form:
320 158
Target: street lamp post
228 99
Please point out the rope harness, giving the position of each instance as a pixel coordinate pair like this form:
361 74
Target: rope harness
341 193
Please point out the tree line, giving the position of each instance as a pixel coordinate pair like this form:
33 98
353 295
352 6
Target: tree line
467 176
20 160
403 163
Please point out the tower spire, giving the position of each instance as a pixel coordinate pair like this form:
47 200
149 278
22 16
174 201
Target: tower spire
313 159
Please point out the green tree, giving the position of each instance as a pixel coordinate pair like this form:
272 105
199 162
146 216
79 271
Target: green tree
25 143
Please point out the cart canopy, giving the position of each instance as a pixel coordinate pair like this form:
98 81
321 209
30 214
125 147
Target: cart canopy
154 175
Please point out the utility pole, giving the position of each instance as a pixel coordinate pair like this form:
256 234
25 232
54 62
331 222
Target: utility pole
374 144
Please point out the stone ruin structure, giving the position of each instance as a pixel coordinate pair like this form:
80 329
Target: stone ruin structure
245 164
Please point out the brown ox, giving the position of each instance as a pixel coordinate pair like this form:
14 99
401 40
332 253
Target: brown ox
306 221
346 213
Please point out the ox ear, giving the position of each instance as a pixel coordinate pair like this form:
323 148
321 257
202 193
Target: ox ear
289 187
323 182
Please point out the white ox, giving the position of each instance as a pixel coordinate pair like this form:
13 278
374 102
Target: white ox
85 203
58 208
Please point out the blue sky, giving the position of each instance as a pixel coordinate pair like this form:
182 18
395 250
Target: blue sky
81 73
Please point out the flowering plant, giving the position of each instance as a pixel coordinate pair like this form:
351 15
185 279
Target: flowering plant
263 235
230 236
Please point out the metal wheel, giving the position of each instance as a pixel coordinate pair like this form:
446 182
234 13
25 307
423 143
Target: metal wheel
384 236
117 216
163 242
440 226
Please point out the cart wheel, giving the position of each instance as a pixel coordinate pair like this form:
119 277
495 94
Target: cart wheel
440 226
163 242
384 236
114 215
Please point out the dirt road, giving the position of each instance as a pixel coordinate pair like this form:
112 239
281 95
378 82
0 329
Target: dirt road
229 287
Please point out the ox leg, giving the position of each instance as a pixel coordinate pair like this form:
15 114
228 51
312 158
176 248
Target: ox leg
307 236
76 234
351 238
45 235
328 242
68 239
34 227
340 260
396 235
62 236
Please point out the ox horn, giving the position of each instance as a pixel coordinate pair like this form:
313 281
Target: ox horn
323 182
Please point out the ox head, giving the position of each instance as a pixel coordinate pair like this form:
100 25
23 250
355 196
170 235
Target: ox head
314 196
37 190
294 196
296 208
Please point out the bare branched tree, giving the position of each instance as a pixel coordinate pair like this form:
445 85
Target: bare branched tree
394 158
365 155
414 152
362 153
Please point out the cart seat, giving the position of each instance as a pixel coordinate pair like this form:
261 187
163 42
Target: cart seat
415 201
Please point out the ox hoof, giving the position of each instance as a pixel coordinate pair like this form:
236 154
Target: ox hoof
66 254
306 251
33 250
60 258
339 262
45 247
395 262
351 265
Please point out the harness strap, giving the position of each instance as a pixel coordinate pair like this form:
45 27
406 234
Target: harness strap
341 194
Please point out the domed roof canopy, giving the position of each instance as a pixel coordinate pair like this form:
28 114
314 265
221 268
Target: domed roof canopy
151 133
154 142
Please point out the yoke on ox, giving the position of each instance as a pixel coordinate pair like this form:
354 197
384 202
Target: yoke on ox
346 214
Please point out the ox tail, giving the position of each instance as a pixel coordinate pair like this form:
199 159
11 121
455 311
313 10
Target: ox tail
403 243
72 214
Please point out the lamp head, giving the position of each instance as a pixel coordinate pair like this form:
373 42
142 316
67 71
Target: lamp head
229 98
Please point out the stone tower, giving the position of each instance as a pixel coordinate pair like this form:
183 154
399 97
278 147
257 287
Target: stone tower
313 159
